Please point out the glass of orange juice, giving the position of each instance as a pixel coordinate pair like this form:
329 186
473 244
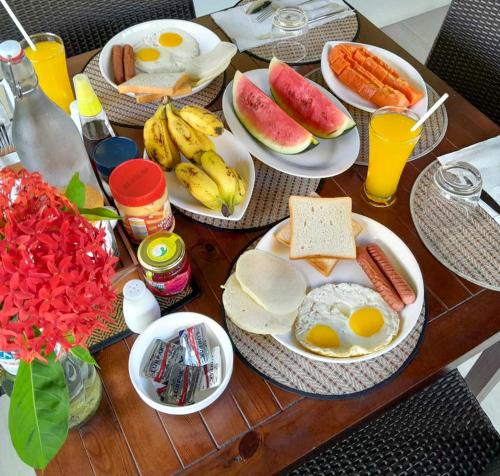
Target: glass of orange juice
391 143
49 61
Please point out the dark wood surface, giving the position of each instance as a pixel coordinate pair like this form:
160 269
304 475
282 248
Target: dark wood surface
255 427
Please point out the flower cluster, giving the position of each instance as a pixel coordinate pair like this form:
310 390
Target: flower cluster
55 274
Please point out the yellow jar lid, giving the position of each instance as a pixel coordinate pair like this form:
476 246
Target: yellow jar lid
161 251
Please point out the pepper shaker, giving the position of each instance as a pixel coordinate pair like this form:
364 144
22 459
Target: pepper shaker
140 307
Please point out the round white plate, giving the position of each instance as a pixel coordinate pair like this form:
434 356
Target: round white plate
348 271
330 157
168 327
206 39
236 156
403 68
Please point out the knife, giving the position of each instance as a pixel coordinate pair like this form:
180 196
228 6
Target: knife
490 201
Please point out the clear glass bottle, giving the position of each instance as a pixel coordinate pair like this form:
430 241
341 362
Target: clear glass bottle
45 137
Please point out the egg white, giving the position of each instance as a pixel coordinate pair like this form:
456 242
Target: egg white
332 305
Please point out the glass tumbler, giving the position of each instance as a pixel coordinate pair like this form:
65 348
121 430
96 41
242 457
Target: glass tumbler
290 27
391 143
49 61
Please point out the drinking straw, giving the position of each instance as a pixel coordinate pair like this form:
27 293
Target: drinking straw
438 103
18 24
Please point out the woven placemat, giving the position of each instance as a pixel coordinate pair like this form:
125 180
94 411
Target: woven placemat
118 330
433 131
468 246
344 29
324 380
124 111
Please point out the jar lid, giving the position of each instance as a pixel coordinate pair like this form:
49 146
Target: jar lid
137 183
113 151
161 251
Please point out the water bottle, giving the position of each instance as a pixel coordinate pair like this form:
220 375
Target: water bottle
45 137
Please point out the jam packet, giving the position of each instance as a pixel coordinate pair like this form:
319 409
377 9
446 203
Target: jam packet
161 358
183 381
211 373
195 343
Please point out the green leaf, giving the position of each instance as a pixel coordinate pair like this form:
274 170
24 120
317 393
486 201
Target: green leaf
75 191
99 214
83 354
39 411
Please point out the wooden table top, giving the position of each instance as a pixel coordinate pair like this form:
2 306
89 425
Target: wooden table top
255 427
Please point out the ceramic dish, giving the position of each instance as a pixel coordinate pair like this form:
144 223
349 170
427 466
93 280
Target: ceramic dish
330 157
165 328
348 271
236 156
404 69
206 39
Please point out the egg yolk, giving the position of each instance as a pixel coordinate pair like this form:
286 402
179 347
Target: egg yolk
170 39
366 321
147 54
323 336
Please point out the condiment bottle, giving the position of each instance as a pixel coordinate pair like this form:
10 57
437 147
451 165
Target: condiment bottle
140 193
140 308
45 137
165 266
95 124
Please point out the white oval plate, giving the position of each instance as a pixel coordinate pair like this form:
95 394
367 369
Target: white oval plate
206 39
348 271
236 156
168 327
330 157
403 68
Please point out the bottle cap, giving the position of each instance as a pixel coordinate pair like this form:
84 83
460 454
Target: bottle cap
134 289
161 251
113 151
87 100
11 50
137 183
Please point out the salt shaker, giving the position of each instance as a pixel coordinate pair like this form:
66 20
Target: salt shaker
140 308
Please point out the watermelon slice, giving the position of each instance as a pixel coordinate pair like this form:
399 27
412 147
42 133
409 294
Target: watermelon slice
306 103
266 121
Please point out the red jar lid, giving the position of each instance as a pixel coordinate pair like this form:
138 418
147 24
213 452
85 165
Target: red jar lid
136 183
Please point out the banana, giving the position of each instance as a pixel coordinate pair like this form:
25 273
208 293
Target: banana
242 189
205 142
159 145
225 177
201 187
184 135
202 120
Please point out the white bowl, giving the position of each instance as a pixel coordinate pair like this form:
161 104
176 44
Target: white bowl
207 40
236 156
165 328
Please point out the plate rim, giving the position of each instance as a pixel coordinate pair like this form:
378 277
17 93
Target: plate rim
362 358
328 74
227 104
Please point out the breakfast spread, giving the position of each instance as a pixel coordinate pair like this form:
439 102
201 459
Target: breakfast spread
182 367
370 77
345 320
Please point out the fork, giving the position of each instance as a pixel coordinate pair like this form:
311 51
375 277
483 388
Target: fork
265 14
6 145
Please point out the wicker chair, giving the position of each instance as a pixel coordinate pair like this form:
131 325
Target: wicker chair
440 431
88 24
466 53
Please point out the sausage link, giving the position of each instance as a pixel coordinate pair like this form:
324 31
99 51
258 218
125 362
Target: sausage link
128 62
401 286
378 279
117 60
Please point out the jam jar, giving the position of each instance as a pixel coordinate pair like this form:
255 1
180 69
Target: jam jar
165 266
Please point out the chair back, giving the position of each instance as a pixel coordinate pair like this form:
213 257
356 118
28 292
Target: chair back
87 24
466 53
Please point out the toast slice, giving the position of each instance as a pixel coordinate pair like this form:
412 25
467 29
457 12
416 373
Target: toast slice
165 84
323 265
321 228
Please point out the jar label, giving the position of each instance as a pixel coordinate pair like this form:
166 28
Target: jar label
140 227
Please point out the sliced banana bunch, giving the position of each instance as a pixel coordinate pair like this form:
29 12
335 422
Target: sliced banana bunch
202 120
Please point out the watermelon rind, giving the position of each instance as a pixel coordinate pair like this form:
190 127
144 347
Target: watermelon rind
346 126
259 134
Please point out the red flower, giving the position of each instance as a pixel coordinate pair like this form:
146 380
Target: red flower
55 275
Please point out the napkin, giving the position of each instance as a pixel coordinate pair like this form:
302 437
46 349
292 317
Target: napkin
485 156
246 32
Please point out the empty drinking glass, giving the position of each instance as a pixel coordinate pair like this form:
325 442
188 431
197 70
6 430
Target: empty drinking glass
290 27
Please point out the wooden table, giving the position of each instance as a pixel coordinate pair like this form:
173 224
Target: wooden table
255 427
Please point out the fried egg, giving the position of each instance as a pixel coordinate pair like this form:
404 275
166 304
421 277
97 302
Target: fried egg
165 52
345 320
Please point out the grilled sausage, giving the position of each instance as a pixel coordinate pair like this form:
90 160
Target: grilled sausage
128 62
117 60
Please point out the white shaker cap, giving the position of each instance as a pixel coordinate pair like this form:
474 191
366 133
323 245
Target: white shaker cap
134 289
